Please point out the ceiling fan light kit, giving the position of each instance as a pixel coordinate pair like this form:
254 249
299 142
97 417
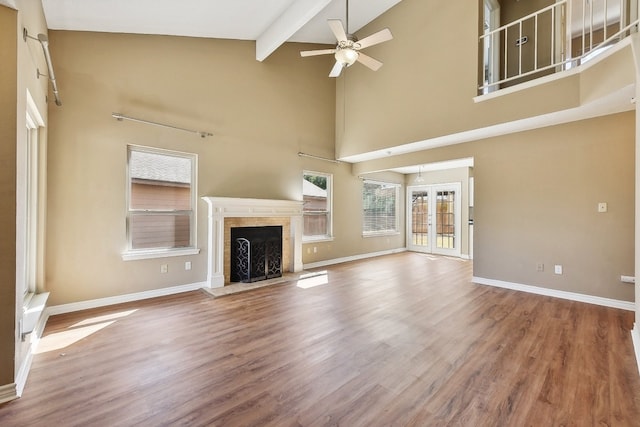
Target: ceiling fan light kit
347 56
347 50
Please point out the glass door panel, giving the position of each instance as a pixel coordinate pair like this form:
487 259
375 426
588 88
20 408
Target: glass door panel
419 233
445 220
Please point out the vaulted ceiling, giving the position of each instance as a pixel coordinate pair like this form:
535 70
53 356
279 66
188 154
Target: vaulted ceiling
269 22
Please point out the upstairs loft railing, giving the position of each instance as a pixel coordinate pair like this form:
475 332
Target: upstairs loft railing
555 38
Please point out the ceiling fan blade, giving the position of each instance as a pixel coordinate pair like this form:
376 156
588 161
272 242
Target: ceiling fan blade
375 38
317 52
369 62
338 29
336 70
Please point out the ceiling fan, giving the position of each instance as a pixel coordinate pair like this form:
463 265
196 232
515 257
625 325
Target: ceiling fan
347 50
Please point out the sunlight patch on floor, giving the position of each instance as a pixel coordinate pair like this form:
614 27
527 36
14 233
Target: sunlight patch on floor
312 280
106 317
78 331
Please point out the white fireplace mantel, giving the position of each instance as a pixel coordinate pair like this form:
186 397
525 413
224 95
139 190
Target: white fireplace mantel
229 207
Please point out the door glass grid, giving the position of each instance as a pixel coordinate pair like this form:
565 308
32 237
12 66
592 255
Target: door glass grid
445 219
420 218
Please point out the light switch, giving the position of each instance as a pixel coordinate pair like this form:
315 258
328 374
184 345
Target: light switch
602 207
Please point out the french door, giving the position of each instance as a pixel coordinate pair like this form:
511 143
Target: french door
434 219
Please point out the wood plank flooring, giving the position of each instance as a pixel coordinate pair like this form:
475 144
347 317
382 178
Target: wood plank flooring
401 340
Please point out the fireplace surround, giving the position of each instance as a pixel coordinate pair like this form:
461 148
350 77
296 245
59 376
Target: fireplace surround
228 212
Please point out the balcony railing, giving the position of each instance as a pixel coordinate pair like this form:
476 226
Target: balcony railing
555 38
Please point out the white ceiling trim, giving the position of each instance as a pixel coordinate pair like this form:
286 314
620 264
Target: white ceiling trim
286 25
466 162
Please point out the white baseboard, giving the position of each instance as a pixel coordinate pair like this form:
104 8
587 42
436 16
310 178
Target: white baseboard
23 372
607 302
352 258
635 337
8 392
119 299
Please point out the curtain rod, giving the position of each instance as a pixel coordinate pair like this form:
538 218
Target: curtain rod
318 157
44 42
121 117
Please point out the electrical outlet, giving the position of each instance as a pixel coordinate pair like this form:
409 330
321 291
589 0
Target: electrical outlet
602 207
539 266
628 279
558 269
164 268
187 265
315 249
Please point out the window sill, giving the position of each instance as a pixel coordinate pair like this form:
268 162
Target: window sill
316 239
381 234
157 253
34 305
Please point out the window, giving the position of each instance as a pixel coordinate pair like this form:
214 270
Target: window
160 203
379 207
29 205
316 194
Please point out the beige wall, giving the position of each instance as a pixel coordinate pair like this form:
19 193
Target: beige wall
8 91
536 199
347 217
536 195
261 114
535 192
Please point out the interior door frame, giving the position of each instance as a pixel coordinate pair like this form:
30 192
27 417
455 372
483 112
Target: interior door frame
432 190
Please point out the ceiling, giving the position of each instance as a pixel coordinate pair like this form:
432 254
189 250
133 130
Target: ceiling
269 22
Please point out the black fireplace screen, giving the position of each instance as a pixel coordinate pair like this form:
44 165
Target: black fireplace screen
256 253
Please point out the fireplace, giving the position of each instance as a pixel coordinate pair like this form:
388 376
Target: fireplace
226 213
256 253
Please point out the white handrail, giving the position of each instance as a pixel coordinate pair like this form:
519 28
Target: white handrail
593 29
529 16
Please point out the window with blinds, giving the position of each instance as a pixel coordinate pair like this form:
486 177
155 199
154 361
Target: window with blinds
380 207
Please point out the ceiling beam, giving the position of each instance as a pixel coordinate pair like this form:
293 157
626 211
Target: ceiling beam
9 3
287 24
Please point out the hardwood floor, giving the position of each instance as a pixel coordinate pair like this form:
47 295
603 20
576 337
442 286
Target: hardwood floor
401 340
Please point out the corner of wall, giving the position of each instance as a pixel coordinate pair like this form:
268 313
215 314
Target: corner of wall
635 336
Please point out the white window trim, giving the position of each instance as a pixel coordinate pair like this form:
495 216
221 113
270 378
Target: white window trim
139 254
395 232
29 194
134 255
329 236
